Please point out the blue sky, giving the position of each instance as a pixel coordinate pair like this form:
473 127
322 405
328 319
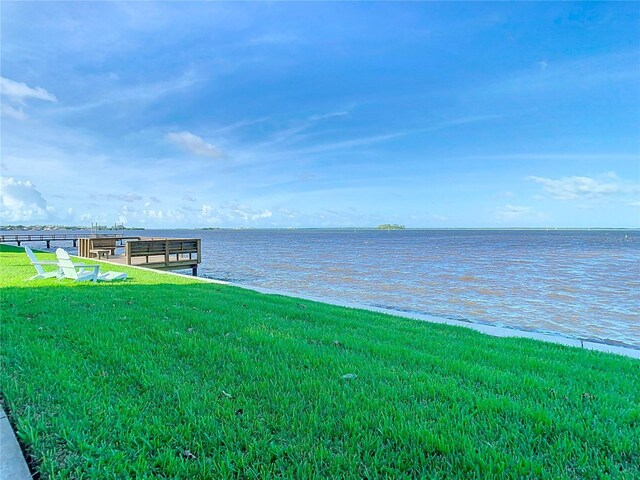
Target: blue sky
321 114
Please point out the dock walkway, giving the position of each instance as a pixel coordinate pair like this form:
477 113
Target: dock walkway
50 237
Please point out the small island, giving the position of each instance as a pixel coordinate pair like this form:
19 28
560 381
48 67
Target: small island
390 226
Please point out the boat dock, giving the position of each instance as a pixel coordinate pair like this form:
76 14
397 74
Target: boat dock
157 253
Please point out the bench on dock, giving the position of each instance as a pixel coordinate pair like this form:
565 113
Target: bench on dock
102 246
166 253
96 247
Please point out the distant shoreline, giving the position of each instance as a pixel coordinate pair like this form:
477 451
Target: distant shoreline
40 228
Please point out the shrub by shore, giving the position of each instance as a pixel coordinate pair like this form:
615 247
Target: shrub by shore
169 377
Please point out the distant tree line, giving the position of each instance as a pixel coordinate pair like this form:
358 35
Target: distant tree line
391 226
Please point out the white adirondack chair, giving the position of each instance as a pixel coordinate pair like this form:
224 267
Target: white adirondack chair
81 272
37 264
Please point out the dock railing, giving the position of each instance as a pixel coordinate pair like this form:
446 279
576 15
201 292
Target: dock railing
165 253
50 237
100 246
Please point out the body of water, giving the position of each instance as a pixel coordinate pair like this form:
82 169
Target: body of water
581 284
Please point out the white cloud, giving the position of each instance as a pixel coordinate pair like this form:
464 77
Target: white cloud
233 212
168 216
194 144
126 214
572 188
207 210
511 212
21 201
18 91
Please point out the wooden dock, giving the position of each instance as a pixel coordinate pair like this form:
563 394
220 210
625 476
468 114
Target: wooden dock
158 253
50 237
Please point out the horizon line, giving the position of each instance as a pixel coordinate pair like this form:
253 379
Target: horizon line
81 227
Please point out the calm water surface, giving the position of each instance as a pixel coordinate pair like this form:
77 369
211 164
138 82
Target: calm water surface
583 284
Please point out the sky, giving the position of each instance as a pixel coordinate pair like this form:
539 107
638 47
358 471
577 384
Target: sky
433 115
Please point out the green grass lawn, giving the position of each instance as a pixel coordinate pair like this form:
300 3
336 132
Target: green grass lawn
167 377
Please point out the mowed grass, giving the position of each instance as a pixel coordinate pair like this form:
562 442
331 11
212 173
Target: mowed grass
168 377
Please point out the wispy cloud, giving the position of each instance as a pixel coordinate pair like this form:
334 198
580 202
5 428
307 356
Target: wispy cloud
238 125
143 93
324 116
354 142
15 94
582 188
156 90
463 121
18 91
299 126
373 139
194 144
